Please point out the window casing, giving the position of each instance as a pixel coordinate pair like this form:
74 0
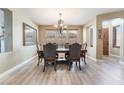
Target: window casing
2 44
89 33
5 30
91 37
116 36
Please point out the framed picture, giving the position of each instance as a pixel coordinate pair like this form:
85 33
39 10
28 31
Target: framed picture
99 34
29 35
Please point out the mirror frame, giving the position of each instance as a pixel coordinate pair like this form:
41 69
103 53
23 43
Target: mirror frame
24 33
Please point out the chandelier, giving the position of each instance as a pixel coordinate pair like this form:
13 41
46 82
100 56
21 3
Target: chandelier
60 26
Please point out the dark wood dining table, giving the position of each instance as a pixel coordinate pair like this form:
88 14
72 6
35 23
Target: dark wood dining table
64 50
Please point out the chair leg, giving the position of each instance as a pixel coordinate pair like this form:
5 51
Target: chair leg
44 66
38 61
76 63
55 65
79 65
84 60
70 63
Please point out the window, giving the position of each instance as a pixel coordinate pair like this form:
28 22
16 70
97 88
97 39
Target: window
91 37
5 30
89 33
116 36
72 35
2 31
105 24
50 36
62 39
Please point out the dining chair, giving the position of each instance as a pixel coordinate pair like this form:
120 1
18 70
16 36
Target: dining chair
56 48
84 46
49 51
83 54
40 53
66 46
74 54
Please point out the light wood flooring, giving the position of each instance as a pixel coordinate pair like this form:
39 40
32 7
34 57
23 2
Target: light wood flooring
110 71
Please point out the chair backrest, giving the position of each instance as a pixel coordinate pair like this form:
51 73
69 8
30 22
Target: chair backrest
56 45
38 46
49 51
67 45
84 46
75 51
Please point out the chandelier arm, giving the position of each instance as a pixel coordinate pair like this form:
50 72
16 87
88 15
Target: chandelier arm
60 26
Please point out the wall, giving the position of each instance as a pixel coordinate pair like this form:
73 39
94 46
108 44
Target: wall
109 16
43 28
91 50
20 53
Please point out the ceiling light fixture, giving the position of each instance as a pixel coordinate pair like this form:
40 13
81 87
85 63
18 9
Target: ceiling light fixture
60 26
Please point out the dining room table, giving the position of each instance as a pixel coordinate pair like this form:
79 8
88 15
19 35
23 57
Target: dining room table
66 50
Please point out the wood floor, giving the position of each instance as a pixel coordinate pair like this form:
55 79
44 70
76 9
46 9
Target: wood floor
110 71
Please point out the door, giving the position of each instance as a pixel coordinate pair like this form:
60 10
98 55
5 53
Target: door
105 32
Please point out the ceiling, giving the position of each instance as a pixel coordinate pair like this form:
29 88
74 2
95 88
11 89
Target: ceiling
71 16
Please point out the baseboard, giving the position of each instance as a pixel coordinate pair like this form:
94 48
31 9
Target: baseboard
4 74
121 61
99 60
114 55
94 59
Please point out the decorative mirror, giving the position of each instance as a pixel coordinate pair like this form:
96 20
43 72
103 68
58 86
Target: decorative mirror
29 35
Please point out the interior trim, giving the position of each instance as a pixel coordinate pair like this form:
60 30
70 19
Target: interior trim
4 74
114 55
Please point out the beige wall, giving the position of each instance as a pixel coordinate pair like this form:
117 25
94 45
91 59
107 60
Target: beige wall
20 53
43 28
91 50
109 16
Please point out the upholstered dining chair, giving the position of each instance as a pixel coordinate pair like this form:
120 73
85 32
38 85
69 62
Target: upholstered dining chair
39 52
84 46
56 48
74 54
66 46
56 45
49 51
83 54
